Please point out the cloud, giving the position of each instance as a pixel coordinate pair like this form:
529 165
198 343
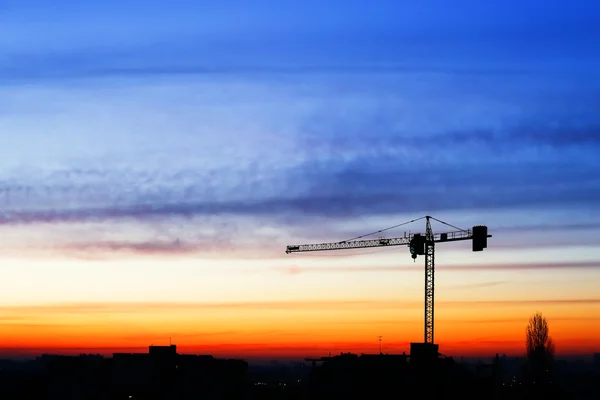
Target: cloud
158 307
320 191
516 320
60 68
295 269
498 344
549 227
521 302
511 137
321 148
11 319
477 285
175 247
219 245
101 308
273 40
41 325
191 334
466 321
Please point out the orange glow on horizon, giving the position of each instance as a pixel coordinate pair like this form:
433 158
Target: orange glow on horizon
290 329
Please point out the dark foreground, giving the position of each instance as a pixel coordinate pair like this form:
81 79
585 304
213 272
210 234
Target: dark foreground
164 374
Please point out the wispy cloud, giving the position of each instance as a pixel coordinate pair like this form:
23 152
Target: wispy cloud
295 269
62 68
326 192
176 247
477 285
153 307
518 320
276 38
467 321
193 334
158 307
549 227
12 319
522 302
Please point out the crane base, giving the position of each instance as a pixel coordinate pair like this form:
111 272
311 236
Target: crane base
423 352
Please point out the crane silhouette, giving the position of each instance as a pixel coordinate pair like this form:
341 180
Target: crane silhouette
419 244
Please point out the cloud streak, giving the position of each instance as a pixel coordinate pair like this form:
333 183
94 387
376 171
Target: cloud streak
94 65
175 247
326 193
158 307
275 39
295 270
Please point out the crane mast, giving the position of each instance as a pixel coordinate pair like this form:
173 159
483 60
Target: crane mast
429 282
419 245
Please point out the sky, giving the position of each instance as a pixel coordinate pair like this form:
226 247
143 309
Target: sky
158 157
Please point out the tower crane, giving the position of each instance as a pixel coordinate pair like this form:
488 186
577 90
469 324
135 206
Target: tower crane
419 244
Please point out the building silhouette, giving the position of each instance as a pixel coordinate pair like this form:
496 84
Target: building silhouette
163 373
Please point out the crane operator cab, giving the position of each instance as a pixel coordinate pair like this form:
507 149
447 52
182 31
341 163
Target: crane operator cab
417 246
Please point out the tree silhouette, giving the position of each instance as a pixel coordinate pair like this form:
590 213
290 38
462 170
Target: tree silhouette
540 349
538 338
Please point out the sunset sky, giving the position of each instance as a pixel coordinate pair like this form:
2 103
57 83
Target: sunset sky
157 158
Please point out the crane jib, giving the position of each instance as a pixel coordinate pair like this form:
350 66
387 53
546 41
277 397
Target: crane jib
397 241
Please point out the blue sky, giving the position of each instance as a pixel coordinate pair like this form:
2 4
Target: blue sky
381 88
189 127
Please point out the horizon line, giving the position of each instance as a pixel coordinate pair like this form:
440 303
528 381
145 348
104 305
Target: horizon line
5 353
